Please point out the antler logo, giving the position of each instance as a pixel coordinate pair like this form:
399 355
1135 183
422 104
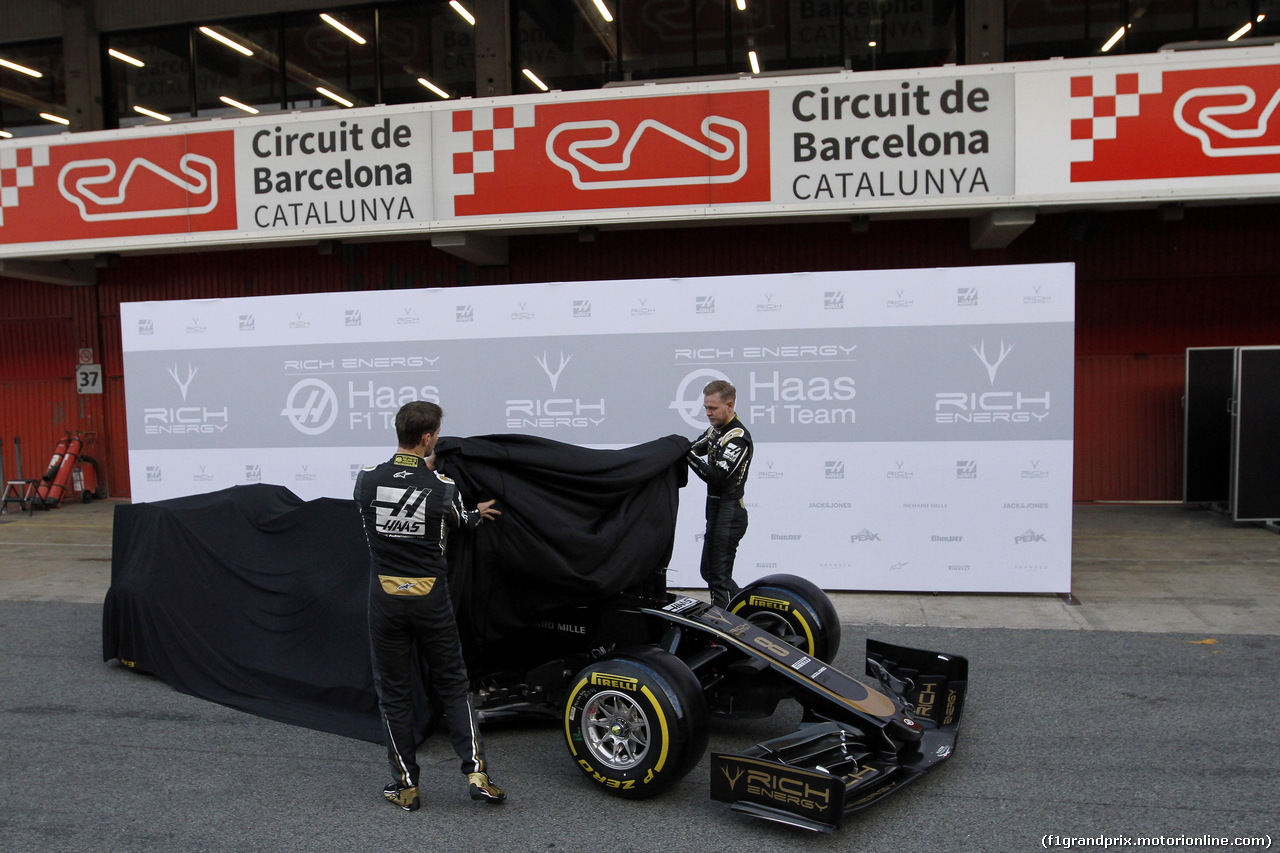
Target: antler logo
732 777
183 385
553 375
980 351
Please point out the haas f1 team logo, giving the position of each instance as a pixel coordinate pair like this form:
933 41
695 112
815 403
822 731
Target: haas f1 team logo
1175 124
628 152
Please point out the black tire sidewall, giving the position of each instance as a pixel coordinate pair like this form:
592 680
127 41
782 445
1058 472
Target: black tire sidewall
801 603
676 714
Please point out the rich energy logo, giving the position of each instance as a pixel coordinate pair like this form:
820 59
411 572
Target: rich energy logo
185 419
555 412
996 406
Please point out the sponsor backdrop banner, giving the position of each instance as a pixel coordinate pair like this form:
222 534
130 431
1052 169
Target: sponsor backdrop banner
913 428
1108 129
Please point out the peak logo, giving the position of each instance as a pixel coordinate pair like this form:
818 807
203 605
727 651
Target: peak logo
1204 122
688 402
1029 536
638 152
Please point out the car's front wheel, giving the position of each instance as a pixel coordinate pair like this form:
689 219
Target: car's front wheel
636 722
794 609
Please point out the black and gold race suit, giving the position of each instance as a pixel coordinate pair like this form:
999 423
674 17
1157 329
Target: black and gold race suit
721 457
407 509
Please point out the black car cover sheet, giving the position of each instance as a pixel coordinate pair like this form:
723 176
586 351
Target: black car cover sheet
256 599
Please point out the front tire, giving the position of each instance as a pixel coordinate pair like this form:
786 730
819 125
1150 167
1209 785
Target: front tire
794 609
636 722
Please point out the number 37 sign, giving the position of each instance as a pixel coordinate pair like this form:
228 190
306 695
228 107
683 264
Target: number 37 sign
89 378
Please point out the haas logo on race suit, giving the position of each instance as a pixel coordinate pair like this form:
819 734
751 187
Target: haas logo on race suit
117 188
628 152
1175 124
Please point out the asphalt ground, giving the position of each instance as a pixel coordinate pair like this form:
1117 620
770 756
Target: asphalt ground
1079 731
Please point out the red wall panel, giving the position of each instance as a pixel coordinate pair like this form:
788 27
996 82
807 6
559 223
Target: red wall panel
1147 289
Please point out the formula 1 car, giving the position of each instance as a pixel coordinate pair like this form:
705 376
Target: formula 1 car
255 599
640 674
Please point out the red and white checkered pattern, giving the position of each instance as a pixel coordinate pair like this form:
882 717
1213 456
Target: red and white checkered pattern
18 170
481 132
1100 100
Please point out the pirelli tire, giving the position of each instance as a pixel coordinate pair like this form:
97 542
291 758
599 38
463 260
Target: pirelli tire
636 722
792 608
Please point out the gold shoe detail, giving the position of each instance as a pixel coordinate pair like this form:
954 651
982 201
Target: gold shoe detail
405 798
483 789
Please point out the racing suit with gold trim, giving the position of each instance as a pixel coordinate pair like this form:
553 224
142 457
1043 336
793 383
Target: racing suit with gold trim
407 509
721 457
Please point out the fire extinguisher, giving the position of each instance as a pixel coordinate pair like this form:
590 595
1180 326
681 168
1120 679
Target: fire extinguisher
56 461
54 492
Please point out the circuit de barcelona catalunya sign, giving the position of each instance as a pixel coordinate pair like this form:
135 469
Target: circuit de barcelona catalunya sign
913 428
1162 126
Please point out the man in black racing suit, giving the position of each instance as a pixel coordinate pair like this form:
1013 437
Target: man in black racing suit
721 456
405 506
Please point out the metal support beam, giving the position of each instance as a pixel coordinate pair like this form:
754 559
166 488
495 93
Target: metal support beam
996 229
71 273
81 57
484 250
493 48
984 31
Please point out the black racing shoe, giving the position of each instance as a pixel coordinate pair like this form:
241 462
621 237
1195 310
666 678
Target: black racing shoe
405 798
482 789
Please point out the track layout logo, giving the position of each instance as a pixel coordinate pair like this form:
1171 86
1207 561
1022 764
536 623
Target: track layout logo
620 153
1203 122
